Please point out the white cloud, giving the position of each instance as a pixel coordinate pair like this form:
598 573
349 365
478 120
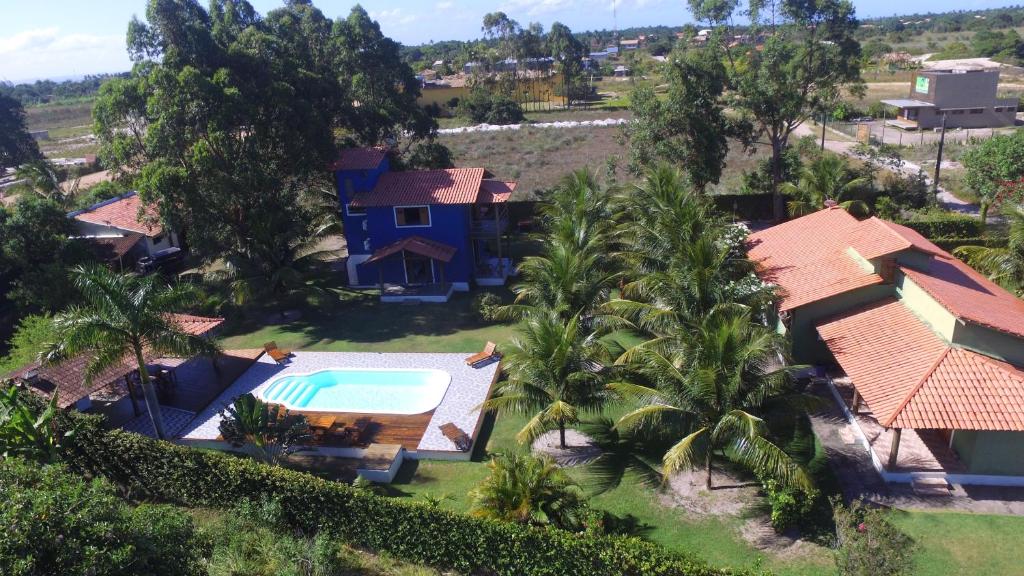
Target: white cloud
46 52
537 7
394 17
445 5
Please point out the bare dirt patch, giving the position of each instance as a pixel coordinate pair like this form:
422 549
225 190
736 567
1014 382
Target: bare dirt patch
580 449
730 494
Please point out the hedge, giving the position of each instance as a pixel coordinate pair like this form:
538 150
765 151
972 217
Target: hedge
413 532
949 244
952 226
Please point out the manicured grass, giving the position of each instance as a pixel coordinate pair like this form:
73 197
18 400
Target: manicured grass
348 321
954 543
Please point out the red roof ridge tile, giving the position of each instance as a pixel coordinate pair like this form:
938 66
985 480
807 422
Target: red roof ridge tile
917 387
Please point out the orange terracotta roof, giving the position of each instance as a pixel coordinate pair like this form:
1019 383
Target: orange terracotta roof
806 257
68 377
359 159
969 295
911 378
125 212
416 245
421 187
495 191
113 248
874 238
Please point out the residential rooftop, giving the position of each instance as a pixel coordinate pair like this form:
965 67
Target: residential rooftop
125 212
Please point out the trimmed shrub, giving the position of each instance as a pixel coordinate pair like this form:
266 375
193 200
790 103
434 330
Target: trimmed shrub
949 244
791 507
57 523
947 226
410 531
486 305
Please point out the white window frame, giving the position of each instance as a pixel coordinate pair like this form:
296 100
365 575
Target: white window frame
433 272
348 211
430 216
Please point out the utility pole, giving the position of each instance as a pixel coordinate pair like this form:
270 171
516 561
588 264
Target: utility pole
824 118
938 157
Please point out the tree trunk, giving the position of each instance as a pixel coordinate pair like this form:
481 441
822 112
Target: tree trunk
561 434
707 463
152 404
983 214
778 203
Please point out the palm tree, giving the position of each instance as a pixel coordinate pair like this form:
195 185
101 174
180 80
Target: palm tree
553 374
1004 265
711 382
529 490
125 317
44 179
825 179
659 218
268 432
574 274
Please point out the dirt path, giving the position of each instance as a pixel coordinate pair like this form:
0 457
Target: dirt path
946 198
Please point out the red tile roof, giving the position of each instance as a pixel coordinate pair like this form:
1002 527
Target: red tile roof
807 257
416 245
68 377
421 187
911 378
359 159
495 191
113 248
126 212
969 295
874 238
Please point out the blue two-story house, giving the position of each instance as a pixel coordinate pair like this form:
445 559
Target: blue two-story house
422 234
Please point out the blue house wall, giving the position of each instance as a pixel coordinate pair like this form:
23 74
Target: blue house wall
449 224
350 182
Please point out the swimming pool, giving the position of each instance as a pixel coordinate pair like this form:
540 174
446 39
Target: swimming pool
373 391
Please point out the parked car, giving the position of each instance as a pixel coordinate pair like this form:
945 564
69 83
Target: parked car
162 260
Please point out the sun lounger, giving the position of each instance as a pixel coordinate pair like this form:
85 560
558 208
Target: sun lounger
279 356
461 440
490 351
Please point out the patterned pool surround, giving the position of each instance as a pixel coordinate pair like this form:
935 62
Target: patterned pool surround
468 389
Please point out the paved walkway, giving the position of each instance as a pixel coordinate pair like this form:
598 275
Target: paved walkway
859 479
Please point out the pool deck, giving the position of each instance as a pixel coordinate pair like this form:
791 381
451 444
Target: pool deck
468 389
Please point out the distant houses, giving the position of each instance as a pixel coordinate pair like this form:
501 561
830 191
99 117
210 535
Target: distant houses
965 97
123 230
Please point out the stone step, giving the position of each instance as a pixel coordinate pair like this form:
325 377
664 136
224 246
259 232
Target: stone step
930 487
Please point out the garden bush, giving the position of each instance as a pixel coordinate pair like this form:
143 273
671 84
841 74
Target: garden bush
410 531
486 305
935 225
791 506
949 244
57 523
868 544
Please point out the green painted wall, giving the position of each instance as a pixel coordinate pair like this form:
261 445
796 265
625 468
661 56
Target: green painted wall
990 452
989 342
925 307
807 347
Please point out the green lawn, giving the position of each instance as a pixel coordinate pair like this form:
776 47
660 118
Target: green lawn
351 321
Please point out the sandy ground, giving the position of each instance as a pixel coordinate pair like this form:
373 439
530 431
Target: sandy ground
580 449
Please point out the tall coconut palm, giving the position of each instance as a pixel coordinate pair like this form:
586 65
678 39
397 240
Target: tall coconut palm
554 374
122 319
712 383
659 218
1004 265
529 490
825 179
575 272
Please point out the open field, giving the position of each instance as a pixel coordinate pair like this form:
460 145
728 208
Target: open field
69 125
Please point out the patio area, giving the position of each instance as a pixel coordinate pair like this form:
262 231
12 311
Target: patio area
418 434
919 450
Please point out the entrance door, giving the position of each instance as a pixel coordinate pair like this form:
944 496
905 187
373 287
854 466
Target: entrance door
418 269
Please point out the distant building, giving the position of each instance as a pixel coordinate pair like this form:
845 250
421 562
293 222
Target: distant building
632 44
965 97
621 71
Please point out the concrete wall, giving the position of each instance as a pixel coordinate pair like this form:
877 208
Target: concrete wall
952 93
990 452
349 183
808 348
925 307
989 342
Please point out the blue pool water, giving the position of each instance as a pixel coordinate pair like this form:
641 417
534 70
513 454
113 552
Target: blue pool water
381 391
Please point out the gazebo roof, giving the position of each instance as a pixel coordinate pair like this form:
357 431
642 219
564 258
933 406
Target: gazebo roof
417 245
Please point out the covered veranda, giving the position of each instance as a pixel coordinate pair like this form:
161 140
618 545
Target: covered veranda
422 263
908 112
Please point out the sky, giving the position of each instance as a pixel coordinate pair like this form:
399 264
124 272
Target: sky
69 38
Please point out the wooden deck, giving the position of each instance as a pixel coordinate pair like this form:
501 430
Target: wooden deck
401 429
